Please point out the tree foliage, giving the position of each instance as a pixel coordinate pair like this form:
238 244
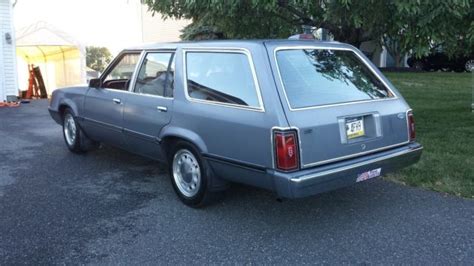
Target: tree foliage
98 58
417 26
404 25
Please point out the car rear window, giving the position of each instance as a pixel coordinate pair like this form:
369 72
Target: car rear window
222 77
314 77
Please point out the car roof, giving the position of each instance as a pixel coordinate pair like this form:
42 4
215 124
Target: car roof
239 43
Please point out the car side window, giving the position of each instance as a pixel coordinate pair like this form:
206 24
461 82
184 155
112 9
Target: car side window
223 77
156 75
119 76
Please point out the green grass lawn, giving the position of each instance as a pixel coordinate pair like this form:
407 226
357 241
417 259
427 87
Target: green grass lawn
441 104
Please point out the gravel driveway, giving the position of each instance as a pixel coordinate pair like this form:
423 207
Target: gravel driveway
112 207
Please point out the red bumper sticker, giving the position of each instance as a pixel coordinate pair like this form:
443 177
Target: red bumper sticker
368 175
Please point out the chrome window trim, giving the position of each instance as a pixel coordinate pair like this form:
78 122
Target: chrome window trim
143 55
260 108
133 80
139 94
114 62
115 90
280 48
117 60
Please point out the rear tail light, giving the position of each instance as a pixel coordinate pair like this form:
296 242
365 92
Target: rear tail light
286 150
411 126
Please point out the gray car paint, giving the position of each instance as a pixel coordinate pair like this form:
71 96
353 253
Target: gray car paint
100 107
237 142
320 128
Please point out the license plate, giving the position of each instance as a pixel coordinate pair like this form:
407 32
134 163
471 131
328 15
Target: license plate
368 175
355 128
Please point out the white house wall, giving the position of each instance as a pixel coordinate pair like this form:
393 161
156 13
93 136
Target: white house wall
8 76
156 29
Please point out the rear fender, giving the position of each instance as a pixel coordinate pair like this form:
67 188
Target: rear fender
217 183
185 134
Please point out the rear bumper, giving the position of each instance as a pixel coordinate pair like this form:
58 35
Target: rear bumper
329 177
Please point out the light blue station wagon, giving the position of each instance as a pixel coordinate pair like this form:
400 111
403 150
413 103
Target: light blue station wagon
292 116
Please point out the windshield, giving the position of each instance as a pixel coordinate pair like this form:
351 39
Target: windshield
313 77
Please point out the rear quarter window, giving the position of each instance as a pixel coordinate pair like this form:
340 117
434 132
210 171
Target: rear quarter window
221 77
315 77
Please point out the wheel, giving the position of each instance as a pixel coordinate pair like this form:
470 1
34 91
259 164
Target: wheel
418 65
469 66
190 175
75 139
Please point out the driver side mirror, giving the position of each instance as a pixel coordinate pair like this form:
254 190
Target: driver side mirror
95 83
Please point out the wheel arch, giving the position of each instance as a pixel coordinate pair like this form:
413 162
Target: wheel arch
172 134
65 104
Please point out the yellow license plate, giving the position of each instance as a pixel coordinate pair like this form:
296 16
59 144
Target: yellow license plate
355 128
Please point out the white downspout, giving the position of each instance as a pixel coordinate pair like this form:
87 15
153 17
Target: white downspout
2 74
13 35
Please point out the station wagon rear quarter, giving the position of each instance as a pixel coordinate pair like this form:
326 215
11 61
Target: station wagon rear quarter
291 116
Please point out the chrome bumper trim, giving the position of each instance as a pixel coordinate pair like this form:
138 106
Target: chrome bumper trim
355 165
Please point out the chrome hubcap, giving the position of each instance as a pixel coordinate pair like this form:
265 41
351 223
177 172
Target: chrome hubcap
186 173
470 65
70 129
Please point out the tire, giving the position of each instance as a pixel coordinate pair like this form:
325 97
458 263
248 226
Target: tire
419 66
75 139
469 65
190 175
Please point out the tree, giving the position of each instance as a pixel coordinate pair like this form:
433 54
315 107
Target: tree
404 25
418 26
98 58
235 19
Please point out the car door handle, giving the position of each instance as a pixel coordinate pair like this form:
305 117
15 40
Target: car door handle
162 108
117 101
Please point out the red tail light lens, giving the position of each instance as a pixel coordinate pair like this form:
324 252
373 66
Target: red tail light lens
286 150
411 126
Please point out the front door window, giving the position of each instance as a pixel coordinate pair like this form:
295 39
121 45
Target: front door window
121 73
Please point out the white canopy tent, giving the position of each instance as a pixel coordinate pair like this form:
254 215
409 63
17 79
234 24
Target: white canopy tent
62 59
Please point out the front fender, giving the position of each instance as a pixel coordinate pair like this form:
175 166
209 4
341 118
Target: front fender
188 135
72 98
70 104
56 108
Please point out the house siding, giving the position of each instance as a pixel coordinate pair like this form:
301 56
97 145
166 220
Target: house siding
156 29
8 74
